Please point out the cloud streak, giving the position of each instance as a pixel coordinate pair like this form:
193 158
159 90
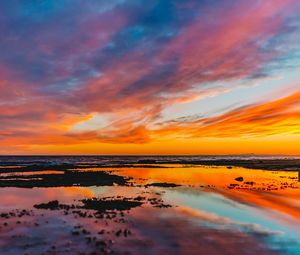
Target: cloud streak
281 116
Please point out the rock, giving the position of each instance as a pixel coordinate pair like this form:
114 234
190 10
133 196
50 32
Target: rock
75 233
52 205
101 232
239 179
162 185
119 232
127 232
107 204
100 243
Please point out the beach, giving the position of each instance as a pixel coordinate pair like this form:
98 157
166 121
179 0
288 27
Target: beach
149 205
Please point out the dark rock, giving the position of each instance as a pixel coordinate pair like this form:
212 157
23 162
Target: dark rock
75 233
105 204
100 243
119 232
163 185
101 232
65 179
52 205
239 179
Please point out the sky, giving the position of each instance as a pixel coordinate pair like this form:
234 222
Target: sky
150 77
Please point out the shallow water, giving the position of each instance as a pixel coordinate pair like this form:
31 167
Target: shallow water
208 212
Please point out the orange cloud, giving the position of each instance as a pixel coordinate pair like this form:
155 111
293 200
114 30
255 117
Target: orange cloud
271 118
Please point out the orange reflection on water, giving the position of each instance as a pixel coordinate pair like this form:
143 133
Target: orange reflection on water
277 190
215 176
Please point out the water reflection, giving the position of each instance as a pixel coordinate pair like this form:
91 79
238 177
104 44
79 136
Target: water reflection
212 211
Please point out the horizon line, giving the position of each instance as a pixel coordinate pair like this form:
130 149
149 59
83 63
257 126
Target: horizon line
145 155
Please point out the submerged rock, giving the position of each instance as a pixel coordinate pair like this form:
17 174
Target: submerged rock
52 205
250 183
105 204
239 179
65 179
163 185
98 204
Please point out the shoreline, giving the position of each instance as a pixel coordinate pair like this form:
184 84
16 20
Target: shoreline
153 162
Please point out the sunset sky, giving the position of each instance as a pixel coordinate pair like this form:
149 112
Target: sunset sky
150 77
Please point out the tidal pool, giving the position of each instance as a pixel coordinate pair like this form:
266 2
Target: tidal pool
182 209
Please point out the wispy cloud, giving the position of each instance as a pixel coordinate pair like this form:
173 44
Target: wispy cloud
263 119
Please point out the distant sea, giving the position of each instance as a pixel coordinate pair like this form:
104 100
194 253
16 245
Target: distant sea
125 159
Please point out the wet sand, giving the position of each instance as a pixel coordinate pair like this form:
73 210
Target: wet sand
149 207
